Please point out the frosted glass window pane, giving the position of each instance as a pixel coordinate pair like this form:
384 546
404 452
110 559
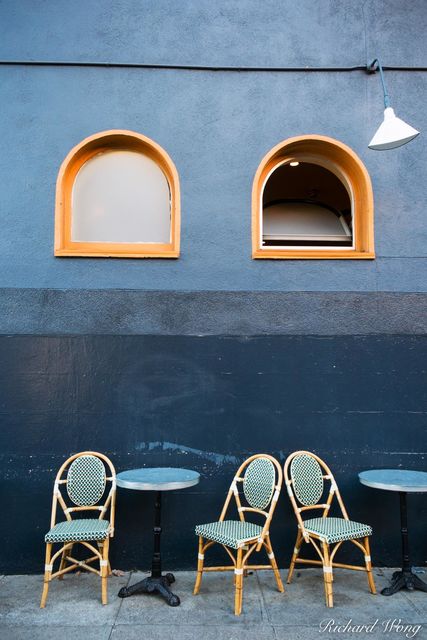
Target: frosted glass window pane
121 196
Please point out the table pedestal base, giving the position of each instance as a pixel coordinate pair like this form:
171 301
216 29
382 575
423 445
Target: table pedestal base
404 580
153 585
156 583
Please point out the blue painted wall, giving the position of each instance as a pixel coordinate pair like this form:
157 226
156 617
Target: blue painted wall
66 388
216 126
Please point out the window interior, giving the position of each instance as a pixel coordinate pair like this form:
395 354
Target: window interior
305 204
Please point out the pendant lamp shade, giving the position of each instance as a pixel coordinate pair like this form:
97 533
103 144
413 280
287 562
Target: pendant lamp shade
392 133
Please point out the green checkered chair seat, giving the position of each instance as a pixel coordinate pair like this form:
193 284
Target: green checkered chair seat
231 533
79 530
333 530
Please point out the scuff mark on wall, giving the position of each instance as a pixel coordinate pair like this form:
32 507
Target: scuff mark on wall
217 458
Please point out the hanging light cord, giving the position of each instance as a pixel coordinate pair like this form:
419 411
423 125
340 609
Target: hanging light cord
372 68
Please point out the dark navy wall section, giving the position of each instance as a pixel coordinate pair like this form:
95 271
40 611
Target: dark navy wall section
207 403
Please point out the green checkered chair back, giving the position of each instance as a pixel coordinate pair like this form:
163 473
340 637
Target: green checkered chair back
311 485
86 480
259 481
307 479
256 488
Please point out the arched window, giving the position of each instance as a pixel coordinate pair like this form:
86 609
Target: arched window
117 195
312 198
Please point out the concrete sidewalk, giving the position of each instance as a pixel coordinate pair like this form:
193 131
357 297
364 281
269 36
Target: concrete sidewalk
74 611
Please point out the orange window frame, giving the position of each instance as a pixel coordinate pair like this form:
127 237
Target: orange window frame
341 160
120 140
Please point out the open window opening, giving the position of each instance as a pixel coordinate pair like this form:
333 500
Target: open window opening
306 205
312 198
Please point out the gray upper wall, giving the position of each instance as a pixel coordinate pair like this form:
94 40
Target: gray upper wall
216 126
243 33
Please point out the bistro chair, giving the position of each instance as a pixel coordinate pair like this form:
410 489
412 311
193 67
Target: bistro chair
260 478
305 476
82 482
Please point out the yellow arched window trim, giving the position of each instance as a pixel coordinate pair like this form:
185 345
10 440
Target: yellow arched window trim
347 166
121 140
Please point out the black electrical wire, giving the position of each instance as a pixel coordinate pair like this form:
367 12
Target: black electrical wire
192 67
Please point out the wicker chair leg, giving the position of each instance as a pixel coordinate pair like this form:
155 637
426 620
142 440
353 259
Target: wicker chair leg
62 563
325 586
104 571
273 563
327 575
294 557
109 572
238 573
369 565
68 549
241 597
200 561
47 574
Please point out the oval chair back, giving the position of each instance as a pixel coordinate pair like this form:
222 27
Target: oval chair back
85 476
86 480
259 482
307 478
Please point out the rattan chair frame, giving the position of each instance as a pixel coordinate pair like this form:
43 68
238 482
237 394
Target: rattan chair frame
325 551
100 554
240 565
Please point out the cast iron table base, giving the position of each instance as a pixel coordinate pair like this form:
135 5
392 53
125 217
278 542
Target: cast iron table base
404 579
156 583
153 585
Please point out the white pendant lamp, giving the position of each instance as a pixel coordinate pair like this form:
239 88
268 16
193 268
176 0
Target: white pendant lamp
393 132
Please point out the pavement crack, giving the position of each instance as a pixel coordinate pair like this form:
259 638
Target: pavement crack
264 610
113 626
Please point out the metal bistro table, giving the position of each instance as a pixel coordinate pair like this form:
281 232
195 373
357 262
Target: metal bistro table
156 479
404 482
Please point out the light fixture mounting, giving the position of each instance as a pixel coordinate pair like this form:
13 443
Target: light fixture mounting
393 132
